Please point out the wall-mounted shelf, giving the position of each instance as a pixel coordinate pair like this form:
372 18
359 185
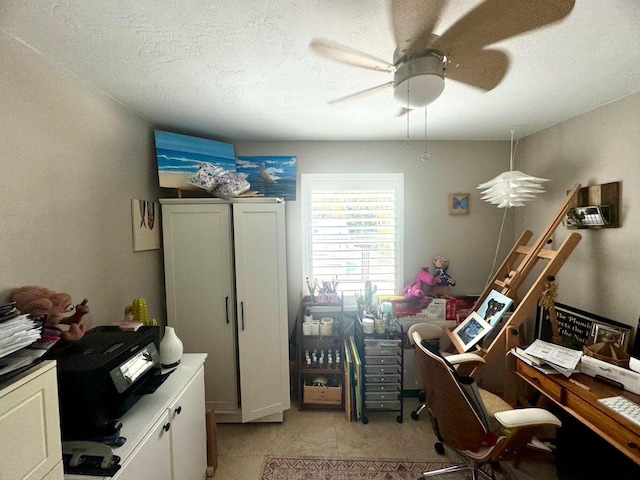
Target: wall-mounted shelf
596 206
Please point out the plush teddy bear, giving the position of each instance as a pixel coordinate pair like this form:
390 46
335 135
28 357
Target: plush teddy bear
443 279
415 291
55 307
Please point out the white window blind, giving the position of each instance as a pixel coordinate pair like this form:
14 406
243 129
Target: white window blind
353 227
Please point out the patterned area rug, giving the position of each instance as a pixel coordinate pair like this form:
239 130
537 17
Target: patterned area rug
303 468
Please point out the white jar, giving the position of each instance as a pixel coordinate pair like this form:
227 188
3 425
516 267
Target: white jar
367 325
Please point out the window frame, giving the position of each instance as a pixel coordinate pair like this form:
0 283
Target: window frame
331 181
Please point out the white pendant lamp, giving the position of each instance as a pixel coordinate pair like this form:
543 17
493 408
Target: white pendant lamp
512 188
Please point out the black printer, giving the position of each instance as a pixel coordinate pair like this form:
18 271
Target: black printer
102 375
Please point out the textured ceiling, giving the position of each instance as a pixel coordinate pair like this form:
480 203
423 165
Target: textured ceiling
243 70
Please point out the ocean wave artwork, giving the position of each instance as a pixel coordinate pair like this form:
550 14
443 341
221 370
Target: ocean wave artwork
180 155
270 176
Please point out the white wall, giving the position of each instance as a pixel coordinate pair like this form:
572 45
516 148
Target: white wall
72 161
468 240
603 273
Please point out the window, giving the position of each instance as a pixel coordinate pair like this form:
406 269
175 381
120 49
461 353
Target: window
352 226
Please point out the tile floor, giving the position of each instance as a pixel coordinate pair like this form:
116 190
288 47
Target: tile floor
243 448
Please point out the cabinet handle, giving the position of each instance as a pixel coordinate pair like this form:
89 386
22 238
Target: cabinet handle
632 444
178 410
166 426
226 308
242 313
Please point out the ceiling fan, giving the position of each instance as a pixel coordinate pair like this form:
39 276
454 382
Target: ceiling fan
422 59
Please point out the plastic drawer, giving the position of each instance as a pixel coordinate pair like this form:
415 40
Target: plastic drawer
382 387
381 396
380 343
381 360
381 369
392 378
382 351
390 405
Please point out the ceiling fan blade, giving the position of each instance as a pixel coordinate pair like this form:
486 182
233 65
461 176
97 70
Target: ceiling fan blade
343 54
413 23
362 93
483 69
496 20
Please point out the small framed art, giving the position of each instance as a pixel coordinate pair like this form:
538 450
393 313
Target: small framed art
494 307
144 218
610 333
470 332
459 203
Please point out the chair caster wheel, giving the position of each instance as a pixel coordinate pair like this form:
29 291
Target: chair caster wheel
399 419
439 448
365 420
414 415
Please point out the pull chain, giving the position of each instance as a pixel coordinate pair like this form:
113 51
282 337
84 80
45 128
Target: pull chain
425 156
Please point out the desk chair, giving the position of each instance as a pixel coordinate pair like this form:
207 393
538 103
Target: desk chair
431 333
477 425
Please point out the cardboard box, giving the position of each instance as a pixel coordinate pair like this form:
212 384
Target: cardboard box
322 395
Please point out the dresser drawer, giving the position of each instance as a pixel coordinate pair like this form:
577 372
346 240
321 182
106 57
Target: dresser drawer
392 378
540 381
381 396
381 369
381 360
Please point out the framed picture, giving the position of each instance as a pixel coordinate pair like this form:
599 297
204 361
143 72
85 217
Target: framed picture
601 332
470 332
494 307
459 203
145 216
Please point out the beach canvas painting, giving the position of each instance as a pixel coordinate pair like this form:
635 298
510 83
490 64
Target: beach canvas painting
180 155
271 176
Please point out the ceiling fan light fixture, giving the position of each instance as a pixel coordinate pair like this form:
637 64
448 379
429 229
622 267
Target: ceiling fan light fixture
419 81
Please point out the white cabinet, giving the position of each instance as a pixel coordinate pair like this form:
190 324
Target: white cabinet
225 273
30 426
163 444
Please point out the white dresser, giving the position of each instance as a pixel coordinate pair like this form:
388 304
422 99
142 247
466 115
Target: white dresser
30 427
166 430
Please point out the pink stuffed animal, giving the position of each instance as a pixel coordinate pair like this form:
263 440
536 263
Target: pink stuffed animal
415 290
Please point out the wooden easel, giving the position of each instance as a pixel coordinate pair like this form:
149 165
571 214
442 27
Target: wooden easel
512 274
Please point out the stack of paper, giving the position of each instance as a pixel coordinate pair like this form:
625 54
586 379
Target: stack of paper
15 334
564 360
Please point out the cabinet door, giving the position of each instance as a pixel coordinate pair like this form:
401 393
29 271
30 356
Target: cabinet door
152 458
30 428
188 432
200 297
261 286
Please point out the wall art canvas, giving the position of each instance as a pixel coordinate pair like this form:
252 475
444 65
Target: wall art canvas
145 218
470 332
270 176
459 203
494 306
180 155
